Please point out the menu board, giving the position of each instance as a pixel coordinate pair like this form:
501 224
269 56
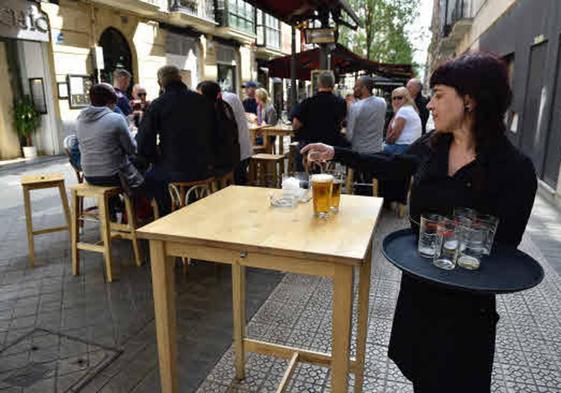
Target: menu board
79 90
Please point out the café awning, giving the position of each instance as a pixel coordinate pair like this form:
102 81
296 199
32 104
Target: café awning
295 11
343 61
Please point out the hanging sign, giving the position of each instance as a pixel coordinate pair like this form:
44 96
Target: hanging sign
23 20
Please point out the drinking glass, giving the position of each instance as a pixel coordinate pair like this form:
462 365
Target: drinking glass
336 190
322 185
447 244
465 213
472 247
491 223
427 234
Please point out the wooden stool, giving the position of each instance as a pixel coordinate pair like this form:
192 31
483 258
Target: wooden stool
259 149
37 182
263 165
292 154
108 229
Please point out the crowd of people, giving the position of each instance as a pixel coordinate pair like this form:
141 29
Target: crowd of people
187 135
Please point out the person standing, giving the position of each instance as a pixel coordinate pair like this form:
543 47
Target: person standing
249 102
121 83
319 118
443 340
184 122
246 147
365 125
415 88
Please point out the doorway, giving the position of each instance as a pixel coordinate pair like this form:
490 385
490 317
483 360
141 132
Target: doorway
116 54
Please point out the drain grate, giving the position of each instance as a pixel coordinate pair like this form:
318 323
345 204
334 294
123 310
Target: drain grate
49 361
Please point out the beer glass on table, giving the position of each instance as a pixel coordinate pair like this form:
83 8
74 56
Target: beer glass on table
336 190
322 186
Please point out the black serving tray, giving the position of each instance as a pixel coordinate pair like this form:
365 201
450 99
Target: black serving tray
506 270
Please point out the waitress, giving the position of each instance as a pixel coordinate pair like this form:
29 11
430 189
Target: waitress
443 340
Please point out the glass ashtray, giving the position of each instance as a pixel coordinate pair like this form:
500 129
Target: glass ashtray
283 200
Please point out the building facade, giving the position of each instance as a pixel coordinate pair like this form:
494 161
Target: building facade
527 35
83 42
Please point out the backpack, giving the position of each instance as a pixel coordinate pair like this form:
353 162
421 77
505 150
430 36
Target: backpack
226 142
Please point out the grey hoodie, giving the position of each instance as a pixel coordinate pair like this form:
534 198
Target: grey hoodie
104 140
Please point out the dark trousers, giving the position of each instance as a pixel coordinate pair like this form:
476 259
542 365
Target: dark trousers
240 173
114 202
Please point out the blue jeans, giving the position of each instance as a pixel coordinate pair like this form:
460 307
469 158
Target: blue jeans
395 149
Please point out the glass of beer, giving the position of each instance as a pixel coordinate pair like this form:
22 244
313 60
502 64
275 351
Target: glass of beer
322 185
336 191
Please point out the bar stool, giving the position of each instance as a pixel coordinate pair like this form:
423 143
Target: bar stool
108 229
38 182
263 166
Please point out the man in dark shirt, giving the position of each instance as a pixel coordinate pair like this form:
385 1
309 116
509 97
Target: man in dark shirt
183 120
250 103
415 88
319 118
121 83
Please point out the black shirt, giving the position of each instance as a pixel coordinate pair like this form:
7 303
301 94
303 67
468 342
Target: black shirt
250 105
321 117
443 340
421 103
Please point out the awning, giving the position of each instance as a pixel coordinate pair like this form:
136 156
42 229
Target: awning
294 11
343 61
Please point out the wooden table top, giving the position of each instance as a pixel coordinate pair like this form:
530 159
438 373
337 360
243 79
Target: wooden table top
41 178
241 218
279 128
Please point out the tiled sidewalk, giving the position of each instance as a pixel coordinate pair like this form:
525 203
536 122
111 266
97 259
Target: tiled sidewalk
298 313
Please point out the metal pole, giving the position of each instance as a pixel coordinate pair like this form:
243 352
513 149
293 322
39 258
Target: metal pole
293 91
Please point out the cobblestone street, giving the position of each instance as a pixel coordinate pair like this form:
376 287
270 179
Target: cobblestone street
81 334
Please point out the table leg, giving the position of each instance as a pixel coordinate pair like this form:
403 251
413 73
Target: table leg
362 328
64 200
29 226
281 144
342 313
163 283
238 297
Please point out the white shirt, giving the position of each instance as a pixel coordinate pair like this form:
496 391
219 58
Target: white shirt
365 124
246 148
412 129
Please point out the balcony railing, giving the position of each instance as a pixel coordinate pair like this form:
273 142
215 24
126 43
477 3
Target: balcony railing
456 10
200 8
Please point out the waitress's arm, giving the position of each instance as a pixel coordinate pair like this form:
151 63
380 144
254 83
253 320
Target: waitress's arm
385 166
514 206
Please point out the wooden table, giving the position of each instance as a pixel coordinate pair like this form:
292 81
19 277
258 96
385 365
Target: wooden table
280 130
253 130
237 226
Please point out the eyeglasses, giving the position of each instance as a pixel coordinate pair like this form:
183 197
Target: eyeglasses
397 98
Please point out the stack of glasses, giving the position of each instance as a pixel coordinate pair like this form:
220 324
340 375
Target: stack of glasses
461 240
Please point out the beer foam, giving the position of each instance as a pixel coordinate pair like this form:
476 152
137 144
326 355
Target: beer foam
321 178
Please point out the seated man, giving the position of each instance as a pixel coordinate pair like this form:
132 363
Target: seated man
183 121
104 139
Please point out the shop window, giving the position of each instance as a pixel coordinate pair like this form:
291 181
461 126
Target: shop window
241 16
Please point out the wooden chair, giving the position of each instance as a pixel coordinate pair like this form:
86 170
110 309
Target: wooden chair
182 193
108 229
225 180
266 166
39 182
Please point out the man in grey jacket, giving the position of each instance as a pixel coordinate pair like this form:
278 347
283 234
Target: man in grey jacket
365 125
104 139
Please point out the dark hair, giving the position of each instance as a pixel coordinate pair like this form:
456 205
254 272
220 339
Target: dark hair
102 94
367 82
484 77
210 90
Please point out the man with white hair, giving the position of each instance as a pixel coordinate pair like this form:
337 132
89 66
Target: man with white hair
415 88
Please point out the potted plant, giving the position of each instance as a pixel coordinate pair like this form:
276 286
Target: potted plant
26 122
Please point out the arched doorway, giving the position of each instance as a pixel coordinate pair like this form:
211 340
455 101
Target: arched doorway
116 53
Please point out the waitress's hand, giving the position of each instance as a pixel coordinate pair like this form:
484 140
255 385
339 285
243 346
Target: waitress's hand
318 152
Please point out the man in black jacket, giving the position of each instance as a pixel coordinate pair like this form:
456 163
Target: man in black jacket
183 120
415 88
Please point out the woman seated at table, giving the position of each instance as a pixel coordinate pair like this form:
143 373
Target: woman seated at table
444 340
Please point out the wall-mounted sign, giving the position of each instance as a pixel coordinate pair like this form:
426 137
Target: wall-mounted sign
78 90
23 20
37 91
320 36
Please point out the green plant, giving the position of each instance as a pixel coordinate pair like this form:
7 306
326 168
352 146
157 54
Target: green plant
26 119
